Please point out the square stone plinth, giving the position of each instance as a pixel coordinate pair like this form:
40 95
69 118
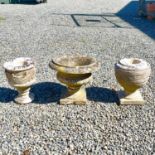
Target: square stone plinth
78 98
132 99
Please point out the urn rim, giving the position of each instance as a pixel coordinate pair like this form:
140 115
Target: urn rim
133 64
19 64
75 64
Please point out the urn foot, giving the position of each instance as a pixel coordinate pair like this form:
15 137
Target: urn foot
134 98
77 97
24 96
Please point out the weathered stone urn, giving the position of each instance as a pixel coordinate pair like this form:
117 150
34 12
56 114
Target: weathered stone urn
74 72
132 74
21 74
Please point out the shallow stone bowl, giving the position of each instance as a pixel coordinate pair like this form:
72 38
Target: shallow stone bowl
74 64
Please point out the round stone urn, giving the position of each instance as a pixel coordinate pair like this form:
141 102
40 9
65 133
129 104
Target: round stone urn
74 72
21 75
132 74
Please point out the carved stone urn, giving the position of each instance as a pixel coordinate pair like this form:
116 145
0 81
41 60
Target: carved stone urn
21 75
74 72
132 74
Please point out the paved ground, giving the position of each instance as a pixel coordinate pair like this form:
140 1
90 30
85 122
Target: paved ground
92 28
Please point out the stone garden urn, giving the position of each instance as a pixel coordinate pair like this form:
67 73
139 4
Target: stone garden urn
74 72
21 75
132 74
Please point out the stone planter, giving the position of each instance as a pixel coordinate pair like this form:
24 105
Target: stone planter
132 74
75 72
21 75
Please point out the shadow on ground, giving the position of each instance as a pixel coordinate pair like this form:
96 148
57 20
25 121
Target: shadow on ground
47 92
7 95
127 17
99 94
129 14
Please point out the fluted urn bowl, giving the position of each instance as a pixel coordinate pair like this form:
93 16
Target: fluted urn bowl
21 75
75 72
132 74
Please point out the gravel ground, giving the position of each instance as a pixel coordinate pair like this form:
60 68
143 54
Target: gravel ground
101 127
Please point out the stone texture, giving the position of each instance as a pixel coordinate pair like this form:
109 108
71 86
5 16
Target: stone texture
75 72
98 128
132 74
131 99
20 74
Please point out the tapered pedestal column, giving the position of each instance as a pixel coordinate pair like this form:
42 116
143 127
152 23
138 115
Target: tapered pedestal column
74 96
76 93
24 95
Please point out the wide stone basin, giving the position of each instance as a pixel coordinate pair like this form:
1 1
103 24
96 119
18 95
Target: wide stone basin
74 64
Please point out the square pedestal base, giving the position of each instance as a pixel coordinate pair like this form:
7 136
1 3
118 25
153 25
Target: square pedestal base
132 99
78 98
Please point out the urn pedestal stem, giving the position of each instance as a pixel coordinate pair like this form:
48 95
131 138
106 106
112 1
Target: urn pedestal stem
74 96
24 95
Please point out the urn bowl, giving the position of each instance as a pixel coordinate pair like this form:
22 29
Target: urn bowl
132 73
20 72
